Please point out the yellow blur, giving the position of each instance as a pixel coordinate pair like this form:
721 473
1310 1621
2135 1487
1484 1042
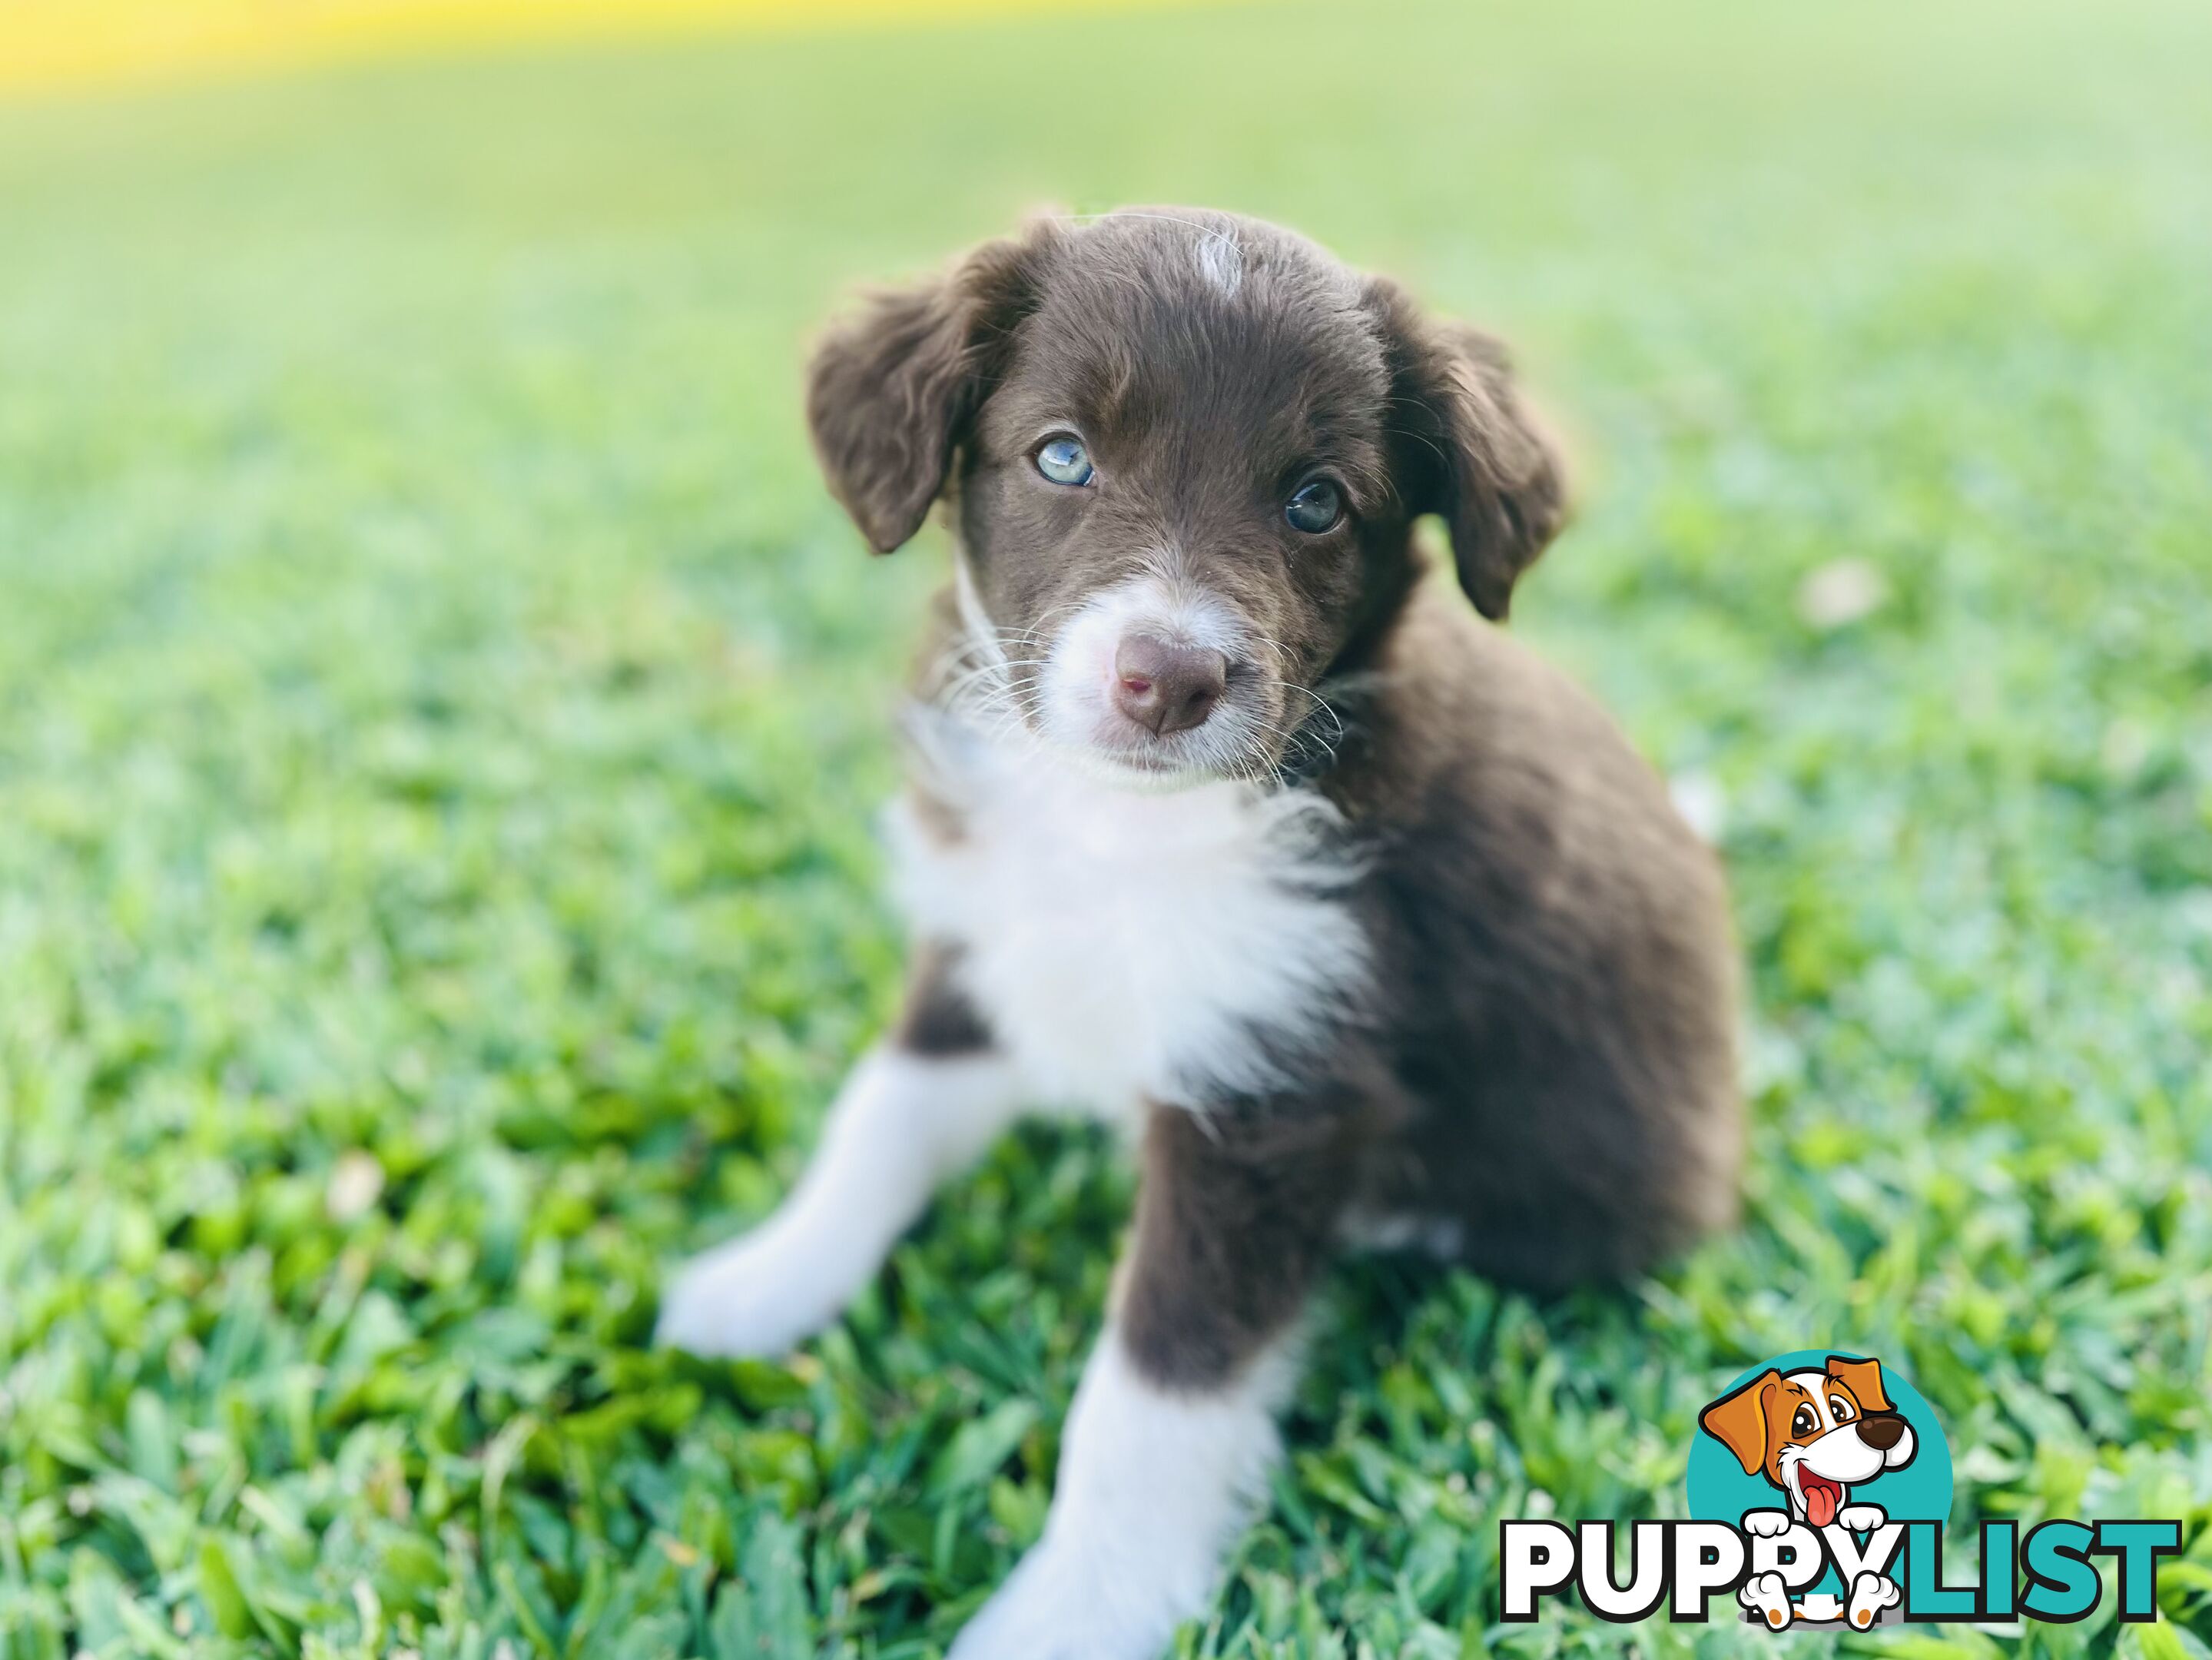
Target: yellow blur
60 43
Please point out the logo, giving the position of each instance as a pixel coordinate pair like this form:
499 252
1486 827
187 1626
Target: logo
1818 1488
1833 1458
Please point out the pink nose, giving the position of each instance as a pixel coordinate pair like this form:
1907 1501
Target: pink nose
1167 688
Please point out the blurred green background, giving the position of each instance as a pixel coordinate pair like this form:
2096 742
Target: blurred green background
444 718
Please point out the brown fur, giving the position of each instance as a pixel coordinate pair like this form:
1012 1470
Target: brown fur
938 1017
1546 1057
1555 983
1226 1240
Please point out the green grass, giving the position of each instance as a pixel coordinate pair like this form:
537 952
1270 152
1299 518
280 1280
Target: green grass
441 717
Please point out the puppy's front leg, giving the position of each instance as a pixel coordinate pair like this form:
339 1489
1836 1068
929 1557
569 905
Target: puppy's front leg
1168 1443
919 1108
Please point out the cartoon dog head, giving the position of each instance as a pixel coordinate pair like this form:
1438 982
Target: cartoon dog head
1814 1433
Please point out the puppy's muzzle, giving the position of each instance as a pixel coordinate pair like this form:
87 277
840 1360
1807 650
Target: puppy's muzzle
1167 688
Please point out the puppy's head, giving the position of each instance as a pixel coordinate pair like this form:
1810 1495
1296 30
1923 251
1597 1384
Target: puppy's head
1184 450
1813 1434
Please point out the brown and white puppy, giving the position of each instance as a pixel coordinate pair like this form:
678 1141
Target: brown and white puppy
1226 825
1814 1435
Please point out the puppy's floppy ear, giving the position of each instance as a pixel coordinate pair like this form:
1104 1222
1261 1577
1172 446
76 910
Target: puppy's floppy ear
1470 449
1864 1379
891 392
1738 1421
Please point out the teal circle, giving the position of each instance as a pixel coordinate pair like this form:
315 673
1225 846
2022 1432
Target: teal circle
1720 1491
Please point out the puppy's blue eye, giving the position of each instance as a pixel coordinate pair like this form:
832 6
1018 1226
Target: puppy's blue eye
1064 460
1316 507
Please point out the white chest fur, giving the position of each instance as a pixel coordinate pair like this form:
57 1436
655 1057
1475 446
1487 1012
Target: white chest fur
1127 945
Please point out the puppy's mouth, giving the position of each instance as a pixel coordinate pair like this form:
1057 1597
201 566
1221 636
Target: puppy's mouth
1822 1497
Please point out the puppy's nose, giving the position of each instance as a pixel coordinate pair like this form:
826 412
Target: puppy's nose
1881 1430
1167 688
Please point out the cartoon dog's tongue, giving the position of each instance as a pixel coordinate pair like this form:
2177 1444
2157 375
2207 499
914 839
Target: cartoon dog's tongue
1821 1498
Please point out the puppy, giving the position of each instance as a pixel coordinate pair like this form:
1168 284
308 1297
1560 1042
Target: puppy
1812 1435
1227 824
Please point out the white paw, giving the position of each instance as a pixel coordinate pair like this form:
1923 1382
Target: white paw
1062 1604
1766 1523
1861 1518
1871 1593
1764 1594
752 1298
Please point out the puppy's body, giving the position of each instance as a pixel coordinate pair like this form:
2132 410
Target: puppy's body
1227 825
1481 916
1553 979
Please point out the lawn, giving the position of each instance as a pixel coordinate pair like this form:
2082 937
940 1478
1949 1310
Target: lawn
442 720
